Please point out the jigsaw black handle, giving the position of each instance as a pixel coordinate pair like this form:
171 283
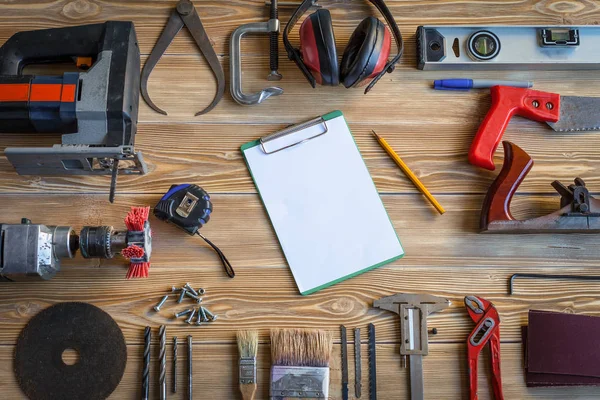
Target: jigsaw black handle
52 46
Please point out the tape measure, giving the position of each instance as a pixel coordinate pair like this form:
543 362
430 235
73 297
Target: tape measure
189 207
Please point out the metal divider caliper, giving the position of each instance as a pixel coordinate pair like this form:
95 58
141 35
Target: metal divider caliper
413 310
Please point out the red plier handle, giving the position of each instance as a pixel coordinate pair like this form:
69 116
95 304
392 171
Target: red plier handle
506 102
487 330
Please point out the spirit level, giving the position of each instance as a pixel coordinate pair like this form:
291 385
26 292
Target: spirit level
508 47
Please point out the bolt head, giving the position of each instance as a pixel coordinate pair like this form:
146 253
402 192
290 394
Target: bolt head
156 308
185 7
214 318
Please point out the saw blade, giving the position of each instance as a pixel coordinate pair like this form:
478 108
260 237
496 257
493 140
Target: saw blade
578 114
372 364
344 363
357 364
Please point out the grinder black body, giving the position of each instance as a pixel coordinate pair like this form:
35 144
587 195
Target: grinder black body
95 109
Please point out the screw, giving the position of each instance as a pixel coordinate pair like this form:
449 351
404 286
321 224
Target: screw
189 320
181 295
160 303
175 289
190 288
182 313
199 321
433 331
211 316
203 313
201 291
536 103
190 295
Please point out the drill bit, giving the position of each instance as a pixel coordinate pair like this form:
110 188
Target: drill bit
146 371
162 378
174 364
190 381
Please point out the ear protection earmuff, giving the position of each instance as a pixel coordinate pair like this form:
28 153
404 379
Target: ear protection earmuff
365 59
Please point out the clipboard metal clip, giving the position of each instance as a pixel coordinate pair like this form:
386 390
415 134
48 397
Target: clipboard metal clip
265 140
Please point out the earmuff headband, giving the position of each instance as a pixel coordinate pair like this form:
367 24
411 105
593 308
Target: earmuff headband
295 55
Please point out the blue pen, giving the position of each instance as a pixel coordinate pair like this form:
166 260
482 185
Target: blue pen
467 84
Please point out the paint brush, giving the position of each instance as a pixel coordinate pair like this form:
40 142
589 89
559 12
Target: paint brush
300 360
247 345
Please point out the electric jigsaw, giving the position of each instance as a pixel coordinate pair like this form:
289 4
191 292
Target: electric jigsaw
95 109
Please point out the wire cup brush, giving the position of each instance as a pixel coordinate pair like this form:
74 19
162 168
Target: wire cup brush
41 247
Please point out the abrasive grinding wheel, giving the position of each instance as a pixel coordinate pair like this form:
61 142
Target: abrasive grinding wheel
84 328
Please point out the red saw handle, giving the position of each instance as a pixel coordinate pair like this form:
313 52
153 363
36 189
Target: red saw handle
506 102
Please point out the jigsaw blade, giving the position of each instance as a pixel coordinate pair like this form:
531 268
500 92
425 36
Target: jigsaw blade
578 114
357 364
372 364
344 363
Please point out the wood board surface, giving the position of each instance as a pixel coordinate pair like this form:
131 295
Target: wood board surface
431 131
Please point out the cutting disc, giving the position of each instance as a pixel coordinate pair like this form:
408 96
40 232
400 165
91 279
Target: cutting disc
91 332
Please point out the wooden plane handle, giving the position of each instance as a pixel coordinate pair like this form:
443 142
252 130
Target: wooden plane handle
496 206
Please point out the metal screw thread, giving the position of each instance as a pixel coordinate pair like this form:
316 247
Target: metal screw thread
175 364
162 378
190 289
181 295
190 380
146 370
274 40
203 314
182 313
193 296
189 320
160 303
210 315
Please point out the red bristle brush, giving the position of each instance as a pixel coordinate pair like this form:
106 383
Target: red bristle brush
135 221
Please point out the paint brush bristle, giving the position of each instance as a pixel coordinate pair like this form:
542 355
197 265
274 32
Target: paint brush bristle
301 347
247 342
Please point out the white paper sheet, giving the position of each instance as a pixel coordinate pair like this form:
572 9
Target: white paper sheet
324 206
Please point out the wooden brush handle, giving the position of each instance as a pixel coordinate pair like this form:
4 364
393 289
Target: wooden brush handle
248 390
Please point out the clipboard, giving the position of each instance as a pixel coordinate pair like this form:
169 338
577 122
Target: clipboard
322 202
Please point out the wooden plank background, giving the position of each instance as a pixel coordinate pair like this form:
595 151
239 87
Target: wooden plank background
431 130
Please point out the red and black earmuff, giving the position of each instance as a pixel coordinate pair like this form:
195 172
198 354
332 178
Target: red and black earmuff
365 59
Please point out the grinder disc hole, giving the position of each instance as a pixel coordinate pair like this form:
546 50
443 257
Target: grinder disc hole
70 356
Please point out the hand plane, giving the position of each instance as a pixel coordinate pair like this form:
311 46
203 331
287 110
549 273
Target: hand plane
95 109
413 310
561 113
579 210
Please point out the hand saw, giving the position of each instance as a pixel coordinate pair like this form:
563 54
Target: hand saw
561 113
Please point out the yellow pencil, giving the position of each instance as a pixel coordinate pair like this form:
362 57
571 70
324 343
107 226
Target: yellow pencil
409 173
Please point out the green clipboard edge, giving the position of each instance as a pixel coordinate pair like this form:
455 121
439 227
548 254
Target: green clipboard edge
326 117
